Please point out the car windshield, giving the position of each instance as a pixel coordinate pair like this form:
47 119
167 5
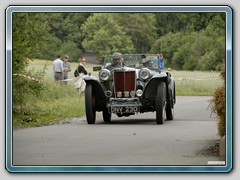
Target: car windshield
137 60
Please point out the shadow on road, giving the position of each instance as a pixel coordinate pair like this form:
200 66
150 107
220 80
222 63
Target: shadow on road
132 122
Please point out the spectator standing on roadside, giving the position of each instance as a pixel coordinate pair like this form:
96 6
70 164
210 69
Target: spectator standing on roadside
81 66
58 68
66 67
81 71
162 66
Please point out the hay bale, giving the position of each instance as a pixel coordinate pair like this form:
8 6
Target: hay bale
218 105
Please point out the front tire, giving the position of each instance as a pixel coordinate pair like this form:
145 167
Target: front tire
170 113
106 116
90 104
160 103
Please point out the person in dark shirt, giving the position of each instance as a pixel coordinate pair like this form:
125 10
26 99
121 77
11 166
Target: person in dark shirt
80 84
81 66
66 68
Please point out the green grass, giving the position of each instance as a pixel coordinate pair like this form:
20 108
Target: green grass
39 65
60 102
196 83
55 103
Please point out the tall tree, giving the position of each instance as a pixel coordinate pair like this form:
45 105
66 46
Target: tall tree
65 35
141 27
71 26
103 35
168 45
182 22
215 56
29 33
194 41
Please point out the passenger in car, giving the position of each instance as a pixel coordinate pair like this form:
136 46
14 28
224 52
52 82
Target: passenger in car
117 61
161 62
146 62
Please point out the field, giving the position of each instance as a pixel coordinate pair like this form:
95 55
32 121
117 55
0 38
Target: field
188 83
196 83
58 103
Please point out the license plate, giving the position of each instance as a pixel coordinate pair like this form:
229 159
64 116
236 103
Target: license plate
124 109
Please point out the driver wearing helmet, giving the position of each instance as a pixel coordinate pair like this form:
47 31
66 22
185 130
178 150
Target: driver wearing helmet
117 61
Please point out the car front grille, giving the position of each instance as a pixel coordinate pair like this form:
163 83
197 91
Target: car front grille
124 84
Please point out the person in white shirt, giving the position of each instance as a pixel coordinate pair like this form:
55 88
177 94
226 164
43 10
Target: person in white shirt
58 68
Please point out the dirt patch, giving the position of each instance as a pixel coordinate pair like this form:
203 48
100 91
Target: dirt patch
211 150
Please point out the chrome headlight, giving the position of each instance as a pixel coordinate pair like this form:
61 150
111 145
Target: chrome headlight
144 73
104 74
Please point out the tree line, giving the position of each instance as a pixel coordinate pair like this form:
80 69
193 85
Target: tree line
189 41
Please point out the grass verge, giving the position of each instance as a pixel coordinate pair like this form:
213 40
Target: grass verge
55 103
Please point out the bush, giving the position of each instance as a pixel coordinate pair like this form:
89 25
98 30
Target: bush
25 88
218 106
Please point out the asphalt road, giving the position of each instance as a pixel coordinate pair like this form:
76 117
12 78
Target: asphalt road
135 140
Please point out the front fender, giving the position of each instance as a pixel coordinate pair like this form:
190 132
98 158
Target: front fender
151 87
150 91
98 92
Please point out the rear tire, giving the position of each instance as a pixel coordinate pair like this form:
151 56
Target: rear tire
170 110
90 104
160 103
